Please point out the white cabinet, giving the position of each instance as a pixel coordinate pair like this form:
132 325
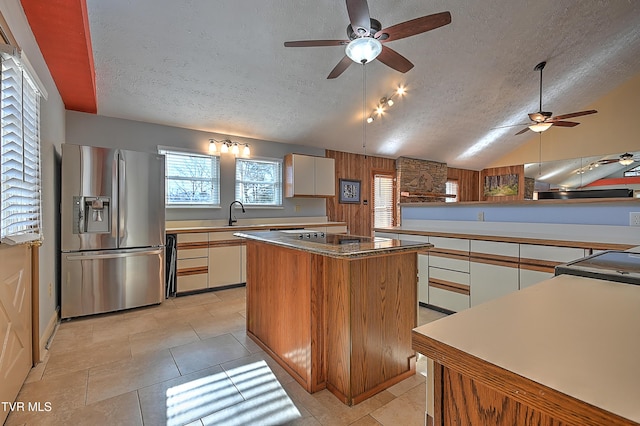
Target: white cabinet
537 262
192 262
309 176
391 235
529 277
493 270
226 265
449 273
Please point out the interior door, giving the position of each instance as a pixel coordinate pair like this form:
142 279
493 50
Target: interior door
15 321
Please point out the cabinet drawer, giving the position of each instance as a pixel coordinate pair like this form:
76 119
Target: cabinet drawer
409 237
448 299
193 238
489 282
341 229
450 243
447 275
387 235
550 253
449 263
221 236
193 263
191 282
495 248
193 253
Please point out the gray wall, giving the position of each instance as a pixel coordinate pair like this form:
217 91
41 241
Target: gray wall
89 129
51 137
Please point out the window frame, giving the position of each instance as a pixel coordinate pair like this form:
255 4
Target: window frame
214 180
279 183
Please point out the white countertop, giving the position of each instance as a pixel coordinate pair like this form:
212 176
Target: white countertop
577 335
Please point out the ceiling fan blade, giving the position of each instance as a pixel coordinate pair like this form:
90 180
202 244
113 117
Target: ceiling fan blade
358 11
526 129
573 114
393 59
341 67
414 26
564 123
315 43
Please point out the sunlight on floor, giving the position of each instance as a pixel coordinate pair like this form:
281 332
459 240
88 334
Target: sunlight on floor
242 395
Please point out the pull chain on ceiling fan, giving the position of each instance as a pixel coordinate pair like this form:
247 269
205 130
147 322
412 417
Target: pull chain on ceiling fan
366 37
543 120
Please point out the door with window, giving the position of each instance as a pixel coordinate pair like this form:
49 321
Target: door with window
384 210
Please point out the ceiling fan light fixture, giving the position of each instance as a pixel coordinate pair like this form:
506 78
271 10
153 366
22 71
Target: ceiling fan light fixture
626 159
540 127
363 50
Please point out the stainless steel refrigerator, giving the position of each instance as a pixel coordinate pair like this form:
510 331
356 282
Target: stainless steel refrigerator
112 230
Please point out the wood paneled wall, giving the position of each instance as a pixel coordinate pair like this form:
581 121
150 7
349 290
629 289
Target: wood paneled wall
359 217
468 183
507 170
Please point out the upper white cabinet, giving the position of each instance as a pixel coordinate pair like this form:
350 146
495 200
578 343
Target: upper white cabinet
309 176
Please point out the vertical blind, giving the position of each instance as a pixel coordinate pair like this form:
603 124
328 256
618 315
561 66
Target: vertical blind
259 182
451 188
383 201
20 195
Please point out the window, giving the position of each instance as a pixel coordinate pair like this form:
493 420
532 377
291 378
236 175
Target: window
451 188
191 179
259 182
20 153
633 172
383 201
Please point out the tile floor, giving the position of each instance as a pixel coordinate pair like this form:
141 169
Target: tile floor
188 361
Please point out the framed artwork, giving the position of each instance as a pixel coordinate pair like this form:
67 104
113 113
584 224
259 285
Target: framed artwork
501 185
349 191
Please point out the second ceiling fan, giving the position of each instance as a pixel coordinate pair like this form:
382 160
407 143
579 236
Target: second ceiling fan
366 36
542 120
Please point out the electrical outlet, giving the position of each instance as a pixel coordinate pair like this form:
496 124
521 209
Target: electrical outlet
481 216
50 290
634 219
297 207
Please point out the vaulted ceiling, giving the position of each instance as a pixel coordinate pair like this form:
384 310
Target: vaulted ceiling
221 66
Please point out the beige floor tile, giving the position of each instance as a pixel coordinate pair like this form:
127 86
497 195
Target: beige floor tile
124 376
62 393
120 410
210 326
165 337
246 341
226 307
281 374
207 353
84 356
426 315
181 315
232 293
188 398
407 384
368 421
36 373
196 299
407 409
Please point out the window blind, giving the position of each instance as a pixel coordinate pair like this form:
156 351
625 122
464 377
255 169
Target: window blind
259 182
451 188
191 179
20 195
383 201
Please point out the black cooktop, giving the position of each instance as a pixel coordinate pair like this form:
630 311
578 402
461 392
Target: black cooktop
332 239
620 266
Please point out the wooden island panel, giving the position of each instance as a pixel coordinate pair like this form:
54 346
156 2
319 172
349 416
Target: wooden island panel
338 323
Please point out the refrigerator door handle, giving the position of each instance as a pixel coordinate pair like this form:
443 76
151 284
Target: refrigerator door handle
121 196
114 255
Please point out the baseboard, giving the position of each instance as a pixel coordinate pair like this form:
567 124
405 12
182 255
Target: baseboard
48 332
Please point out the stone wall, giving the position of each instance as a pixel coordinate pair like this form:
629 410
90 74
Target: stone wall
423 180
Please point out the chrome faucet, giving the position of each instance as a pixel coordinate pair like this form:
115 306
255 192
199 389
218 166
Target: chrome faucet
231 220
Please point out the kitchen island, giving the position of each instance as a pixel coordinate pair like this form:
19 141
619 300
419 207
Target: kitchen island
336 311
564 351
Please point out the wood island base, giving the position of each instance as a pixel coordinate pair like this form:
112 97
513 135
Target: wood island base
343 324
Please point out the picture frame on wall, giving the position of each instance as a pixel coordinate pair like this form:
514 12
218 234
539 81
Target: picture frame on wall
349 191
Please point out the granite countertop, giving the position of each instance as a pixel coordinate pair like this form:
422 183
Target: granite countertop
258 226
573 334
336 245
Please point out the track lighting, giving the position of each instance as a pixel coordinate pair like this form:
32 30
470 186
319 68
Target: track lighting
385 103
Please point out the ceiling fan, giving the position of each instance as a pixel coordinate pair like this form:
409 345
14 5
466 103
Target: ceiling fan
366 36
625 159
542 120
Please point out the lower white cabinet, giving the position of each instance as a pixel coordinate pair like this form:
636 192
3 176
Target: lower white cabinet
529 277
448 299
490 281
423 278
225 265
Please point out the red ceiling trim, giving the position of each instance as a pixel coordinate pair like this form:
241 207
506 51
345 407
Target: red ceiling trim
61 28
631 180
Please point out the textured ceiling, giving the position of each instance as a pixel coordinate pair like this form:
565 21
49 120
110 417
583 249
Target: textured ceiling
221 66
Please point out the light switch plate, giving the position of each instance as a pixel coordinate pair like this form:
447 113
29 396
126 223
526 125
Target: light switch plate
634 219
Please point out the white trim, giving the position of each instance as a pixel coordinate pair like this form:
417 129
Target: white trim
33 75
